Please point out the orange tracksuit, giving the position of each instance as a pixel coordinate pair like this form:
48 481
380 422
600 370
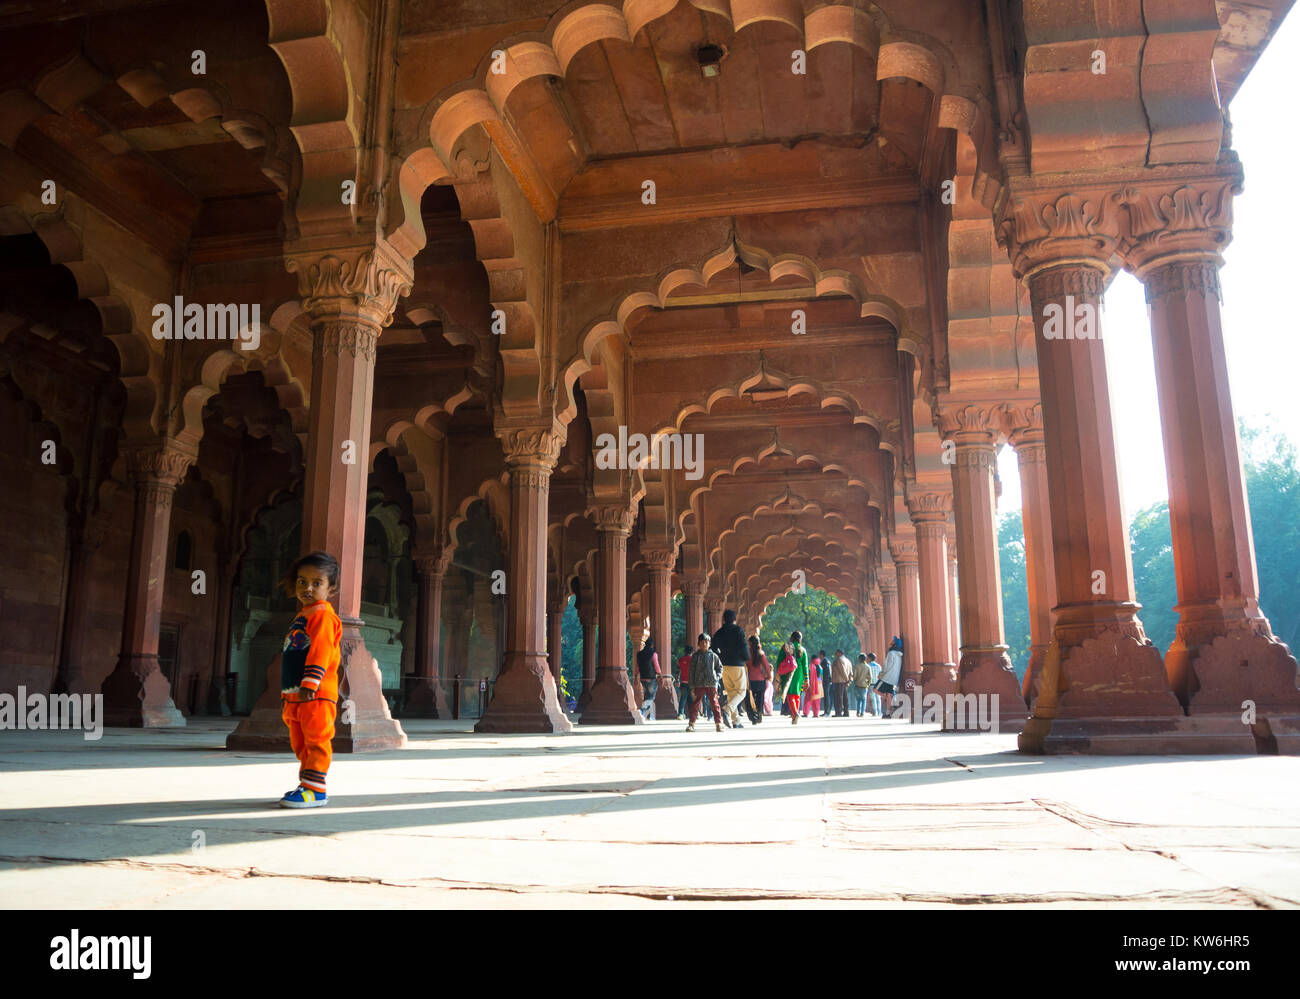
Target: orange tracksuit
310 659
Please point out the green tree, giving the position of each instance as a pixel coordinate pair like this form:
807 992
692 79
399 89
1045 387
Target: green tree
1153 572
1273 487
1015 589
825 622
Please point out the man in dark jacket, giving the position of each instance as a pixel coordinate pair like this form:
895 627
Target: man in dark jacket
732 648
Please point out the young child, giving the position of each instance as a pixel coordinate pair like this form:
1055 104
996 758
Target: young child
309 675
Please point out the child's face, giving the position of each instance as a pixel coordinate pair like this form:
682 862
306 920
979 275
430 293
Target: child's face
312 585
704 645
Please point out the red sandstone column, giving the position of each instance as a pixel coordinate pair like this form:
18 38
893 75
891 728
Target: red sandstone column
427 698
136 693
909 611
350 301
1104 687
1036 517
1224 652
929 516
694 593
889 620
714 606
76 645
954 630
587 615
879 640
525 698
985 669
613 701
221 632
660 562
555 638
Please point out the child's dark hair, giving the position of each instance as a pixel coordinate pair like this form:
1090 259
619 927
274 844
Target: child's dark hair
324 561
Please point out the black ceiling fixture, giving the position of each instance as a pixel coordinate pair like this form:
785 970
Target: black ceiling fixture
710 57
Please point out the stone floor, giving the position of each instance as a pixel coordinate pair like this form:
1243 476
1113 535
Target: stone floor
833 812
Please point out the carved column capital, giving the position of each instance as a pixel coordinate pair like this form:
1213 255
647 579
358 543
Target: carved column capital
887 579
164 464
903 552
611 519
660 559
929 507
1178 219
362 281
1043 228
714 605
694 588
536 448
1024 424
970 423
431 561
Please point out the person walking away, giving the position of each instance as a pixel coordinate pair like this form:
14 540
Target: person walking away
760 672
810 672
647 665
858 686
784 667
872 692
704 671
684 680
812 691
889 676
824 665
797 677
730 646
841 675
309 675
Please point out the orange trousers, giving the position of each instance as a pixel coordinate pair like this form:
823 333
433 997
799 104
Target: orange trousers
311 727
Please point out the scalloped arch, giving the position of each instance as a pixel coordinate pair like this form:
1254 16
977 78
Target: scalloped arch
481 99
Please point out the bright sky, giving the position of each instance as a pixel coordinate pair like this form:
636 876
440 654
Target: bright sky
1260 329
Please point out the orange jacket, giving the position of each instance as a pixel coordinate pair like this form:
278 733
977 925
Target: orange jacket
310 657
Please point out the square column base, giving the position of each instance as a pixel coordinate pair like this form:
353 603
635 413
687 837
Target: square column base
137 695
524 698
427 699
613 702
371 727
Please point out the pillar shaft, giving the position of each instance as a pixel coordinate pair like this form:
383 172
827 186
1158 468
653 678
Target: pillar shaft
889 620
589 656
1040 565
1220 626
714 606
984 669
427 698
136 693
909 610
613 701
525 698
694 591
1104 686
954 612
929 516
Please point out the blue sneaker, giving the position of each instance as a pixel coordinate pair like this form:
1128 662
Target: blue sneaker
304 797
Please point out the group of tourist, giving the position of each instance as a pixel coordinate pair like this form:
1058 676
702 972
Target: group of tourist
726 674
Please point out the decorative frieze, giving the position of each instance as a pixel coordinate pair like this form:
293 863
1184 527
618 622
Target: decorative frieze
336 337
1180 277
